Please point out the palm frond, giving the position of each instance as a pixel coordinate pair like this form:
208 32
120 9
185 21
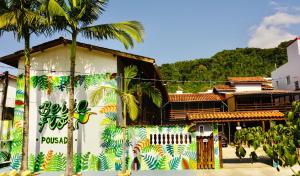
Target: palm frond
125 32
8 19
130 72
100 92
131 105
56 9
82 11
94 8
147 88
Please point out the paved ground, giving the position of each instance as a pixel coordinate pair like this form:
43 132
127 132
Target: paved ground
240 169
232 167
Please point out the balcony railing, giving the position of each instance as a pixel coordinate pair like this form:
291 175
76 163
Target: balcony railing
263 106
181 113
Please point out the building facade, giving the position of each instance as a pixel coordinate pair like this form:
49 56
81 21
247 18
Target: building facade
97 139
7 100
287 76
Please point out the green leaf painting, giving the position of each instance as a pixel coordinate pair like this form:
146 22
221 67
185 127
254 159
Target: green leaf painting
174 163
57 163
31 162
39 162
4 156
85 161
151 161
108 157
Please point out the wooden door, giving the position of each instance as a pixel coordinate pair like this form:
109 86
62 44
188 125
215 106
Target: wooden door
205 152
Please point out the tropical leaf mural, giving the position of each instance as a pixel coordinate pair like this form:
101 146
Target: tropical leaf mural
16 162
31 163
39 162
57 163
4 156
47 160
174 163
85 161
162 163
159 156
151 161
104 162
77 162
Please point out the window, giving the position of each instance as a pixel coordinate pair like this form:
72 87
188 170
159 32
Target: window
296 85
277 84
201 129
288 80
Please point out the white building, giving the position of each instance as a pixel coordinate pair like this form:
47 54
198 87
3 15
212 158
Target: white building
287 76
244 84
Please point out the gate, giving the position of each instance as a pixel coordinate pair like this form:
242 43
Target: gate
205 152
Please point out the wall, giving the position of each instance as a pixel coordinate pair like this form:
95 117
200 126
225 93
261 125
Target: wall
11 93
97 140
247 87
289 69
93 69
208 129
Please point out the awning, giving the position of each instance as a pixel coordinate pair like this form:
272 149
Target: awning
235 116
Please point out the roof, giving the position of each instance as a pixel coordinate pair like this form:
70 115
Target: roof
235 116
194 97
267 87
12 59
254 79
291 42
223 87
9 76
267 92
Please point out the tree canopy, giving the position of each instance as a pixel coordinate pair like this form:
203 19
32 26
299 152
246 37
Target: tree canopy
238 62
281 142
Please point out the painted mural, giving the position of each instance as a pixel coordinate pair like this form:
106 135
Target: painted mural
98 141
5 143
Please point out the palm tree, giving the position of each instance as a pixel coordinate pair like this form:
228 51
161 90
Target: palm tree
130 104
23 18
76 17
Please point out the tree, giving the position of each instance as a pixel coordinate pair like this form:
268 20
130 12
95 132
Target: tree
76 17
23 18
128 94
281 142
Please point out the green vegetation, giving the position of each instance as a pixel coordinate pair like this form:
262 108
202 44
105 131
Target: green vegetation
281 142
238 62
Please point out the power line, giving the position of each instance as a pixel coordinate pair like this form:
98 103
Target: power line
142 79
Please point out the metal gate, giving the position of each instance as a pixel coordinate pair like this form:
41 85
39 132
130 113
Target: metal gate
205 152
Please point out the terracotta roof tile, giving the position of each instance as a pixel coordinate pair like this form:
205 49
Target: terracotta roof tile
247 79
194 97
267 92
235 116
224 87
267 87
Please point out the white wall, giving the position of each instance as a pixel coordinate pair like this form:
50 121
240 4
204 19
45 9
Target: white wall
289 69
11 93
208 129
247 87
57 58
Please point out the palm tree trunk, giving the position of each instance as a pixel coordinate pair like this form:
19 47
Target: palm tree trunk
69 170
24 162
124 140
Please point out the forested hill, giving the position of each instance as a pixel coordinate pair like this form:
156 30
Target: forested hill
238 62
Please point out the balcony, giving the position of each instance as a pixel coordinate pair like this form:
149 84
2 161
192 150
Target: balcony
181 113
263 106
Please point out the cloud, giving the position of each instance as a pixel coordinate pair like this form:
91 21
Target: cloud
274 3
272 30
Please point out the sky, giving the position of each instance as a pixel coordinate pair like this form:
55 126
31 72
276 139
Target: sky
184 30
